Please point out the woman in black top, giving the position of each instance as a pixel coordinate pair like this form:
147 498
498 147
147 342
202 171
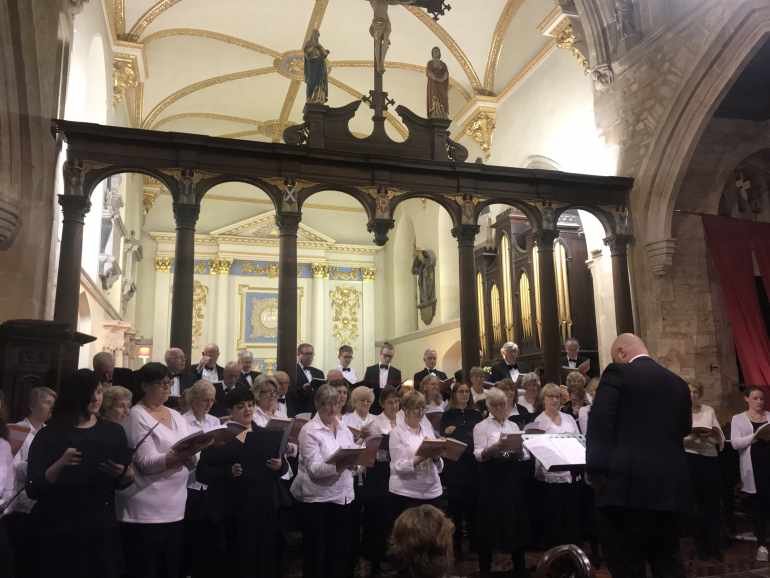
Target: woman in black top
243 479
75 465
461 477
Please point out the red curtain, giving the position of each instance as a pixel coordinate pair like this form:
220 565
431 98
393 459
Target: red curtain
730 243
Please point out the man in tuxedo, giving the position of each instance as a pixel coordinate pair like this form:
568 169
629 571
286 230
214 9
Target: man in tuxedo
345 357
246 361
572 358
181 376
430 357
508 367
283 380
382 374
636 462
103 364
299 398
207 367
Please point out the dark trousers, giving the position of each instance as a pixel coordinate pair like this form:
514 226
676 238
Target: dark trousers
23 544
196 560
153 550
401 503
634 538
325 540
706 481
77 552
377 524
461 507
561 505
6 553
760 515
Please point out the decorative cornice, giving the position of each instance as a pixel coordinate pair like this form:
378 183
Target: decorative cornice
368 273
163 264
125 76
320 270
566 40
506 16
221 266
210 35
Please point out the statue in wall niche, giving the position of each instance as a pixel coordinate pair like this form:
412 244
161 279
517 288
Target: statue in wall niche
424 266
316 75
625 18
438 86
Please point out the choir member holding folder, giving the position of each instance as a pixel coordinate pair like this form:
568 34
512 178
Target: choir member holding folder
324 488
502 513
748 435
6 491
414 474
243 476
75 465
266 411
461 476
152 509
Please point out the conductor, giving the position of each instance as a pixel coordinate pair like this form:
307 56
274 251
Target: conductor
636 461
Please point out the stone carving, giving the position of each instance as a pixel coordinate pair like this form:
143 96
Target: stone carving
603 77
345 302
567 40
109 266
625 19
424 266
200 296
438 86
163 264
132 253
316 77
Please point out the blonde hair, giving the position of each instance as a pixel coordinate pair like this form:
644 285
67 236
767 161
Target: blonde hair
549 389
361 392
574 380
696 388
421 542
412 400
198 390
112 395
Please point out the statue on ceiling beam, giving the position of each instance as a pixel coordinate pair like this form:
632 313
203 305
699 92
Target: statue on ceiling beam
438 86
316 76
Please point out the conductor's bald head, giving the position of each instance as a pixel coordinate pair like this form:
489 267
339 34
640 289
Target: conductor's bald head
626 347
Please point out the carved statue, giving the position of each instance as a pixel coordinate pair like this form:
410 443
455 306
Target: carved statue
438 86
424 266
316 77
380 29
625 18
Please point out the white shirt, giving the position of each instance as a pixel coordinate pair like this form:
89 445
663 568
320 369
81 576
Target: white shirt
210 375
695 445
158 495
514 374
425 423
477 397
308 374
7 477
208 423
384 376
422 481
23 503
583 414
741 436
382 424
248 378
488 432
348 373
567 425
635 357
175 387
354 420
523 402
316 480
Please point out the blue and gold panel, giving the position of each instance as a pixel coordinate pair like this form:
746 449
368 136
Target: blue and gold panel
259 316
254 268
304 271
345 273
265 365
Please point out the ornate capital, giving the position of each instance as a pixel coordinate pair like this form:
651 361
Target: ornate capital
618 244
567 40
220 267
163 264
368 273
74 207
660 255
466 235
481 128
124 76
380 228
186 215
320 271
287 222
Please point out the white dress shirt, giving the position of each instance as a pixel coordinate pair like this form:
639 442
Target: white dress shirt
384 376
421 481
568 425
348 373
514 374
382 425
425 423
697 445
488 432
176 389
316 480
208 423
477 397
583 414
741 436
158 495
7 478
308 374
354 420
210 375
23 504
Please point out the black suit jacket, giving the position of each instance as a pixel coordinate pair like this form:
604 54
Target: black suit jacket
634 452
243 381
299 397
420 375
500 371
186 380
372 379
220 373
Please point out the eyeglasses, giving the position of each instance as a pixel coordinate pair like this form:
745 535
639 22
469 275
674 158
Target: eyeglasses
268 393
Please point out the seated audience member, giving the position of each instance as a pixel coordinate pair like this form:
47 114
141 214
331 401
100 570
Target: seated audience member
22 534
299 398
478 393
754 455
421 545
705 473
242 478
246 362
560 490
103 364
508 367
324 491
6 492
116 403
75 465
502 523
518 413
152 510
283 381
530 383
461 477
578 398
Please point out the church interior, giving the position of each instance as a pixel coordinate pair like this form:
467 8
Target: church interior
250 174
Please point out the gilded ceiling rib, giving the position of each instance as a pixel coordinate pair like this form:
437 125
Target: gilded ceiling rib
389 64
219 37
147 18
200 85
119 17
506 17
450 43
400 128
208 116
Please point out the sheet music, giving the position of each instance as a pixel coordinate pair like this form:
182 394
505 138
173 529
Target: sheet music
556 450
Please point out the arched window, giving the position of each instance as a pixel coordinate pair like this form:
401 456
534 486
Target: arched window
497 329
482 324
562 289
505 258
536 274
526 306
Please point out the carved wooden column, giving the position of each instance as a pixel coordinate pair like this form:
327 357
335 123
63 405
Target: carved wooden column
186 216
624 314
288 223
469 311
550 339
75 204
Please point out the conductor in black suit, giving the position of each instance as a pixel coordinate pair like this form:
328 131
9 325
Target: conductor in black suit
508 367
636 461
382 374
299 398
430 357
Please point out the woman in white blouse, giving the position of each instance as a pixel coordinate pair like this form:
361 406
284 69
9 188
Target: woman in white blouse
414 480
502 513
530 382
560 490
754 455
360 419
325 491
152 509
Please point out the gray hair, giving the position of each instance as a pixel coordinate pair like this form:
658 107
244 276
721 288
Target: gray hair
37 394
245 354
113 395
430 350
362 392
571 340
233 365
261 380
101 358
529 378
198 389
496 395
509 346
326 395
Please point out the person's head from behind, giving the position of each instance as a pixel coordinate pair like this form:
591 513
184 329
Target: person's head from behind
80 397
421 543
103 364
231 373
509 352
626 347
116 403
41 401
156 383
755 399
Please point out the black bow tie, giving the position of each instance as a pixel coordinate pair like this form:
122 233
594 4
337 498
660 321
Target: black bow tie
281 400
514 366
176 375
384 366
345 369
572 360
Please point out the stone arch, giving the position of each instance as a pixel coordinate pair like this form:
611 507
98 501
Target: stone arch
451 207
269 189
92 178
731 49
361 196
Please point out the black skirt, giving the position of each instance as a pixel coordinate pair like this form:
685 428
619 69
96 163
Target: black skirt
503 523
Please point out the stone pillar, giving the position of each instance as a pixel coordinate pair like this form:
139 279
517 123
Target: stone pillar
221 268
186 216
368 307
75 204
288 223
160 332
551 342
320 306
469 312
624 314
